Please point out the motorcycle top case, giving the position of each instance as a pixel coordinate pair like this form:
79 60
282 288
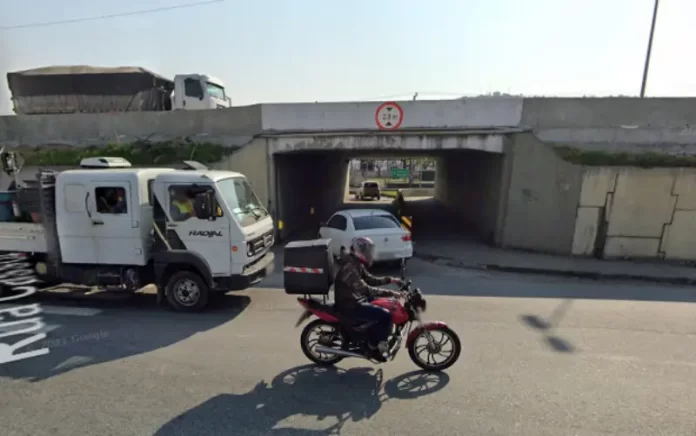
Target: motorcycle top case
308 267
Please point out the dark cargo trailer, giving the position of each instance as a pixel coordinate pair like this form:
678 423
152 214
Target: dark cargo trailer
86 89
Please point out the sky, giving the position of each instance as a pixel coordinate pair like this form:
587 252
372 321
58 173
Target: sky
318 50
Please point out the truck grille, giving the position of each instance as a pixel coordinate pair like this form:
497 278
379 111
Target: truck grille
260 243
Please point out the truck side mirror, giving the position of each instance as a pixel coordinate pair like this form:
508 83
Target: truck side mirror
204 205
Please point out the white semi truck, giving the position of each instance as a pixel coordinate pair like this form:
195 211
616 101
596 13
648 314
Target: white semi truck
113 226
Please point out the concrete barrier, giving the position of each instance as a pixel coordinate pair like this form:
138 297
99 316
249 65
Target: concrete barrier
637 213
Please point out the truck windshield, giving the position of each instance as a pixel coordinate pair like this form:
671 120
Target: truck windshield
215 90
241 200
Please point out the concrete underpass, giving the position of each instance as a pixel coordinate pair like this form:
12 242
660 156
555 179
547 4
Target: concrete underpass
310 181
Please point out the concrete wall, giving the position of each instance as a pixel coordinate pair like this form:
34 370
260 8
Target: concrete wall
233 127
468 183
461 113
637 213
252 161
621 124
600 123
541 198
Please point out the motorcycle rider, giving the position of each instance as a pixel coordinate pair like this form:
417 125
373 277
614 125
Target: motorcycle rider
353 287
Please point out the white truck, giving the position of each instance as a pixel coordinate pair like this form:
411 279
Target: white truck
88 89
113 226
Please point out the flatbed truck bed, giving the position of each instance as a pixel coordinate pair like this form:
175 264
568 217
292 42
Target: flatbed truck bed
22 237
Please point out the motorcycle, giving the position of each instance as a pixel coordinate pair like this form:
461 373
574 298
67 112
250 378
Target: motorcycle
339 337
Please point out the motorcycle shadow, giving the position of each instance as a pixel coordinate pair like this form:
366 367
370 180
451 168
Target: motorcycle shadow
306 393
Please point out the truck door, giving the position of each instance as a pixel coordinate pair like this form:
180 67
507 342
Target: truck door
75 229
116 231
189 93
209 238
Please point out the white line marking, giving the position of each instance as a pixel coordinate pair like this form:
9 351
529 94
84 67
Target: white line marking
58 310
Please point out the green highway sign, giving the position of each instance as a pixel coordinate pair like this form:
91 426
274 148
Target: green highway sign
399 173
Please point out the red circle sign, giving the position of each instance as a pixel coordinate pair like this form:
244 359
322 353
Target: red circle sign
389 116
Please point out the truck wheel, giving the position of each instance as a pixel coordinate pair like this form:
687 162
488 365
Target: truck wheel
187 292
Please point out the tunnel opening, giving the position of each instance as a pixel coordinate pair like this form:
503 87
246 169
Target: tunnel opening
413 176
451 193
470 195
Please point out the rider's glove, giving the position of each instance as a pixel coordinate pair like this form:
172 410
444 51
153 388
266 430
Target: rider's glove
397 282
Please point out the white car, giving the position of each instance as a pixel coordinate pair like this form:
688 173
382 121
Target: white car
392 242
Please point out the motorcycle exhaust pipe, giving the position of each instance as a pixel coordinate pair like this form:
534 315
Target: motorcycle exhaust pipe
338 352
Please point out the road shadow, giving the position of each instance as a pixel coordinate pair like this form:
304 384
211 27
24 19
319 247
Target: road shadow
85 333
547 326
329 397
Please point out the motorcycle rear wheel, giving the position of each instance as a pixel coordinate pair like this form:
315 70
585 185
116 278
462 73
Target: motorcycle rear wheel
307 347
415 354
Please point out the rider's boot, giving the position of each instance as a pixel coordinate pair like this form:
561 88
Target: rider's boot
377 351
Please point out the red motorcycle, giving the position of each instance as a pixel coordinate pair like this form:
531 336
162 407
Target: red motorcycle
332 337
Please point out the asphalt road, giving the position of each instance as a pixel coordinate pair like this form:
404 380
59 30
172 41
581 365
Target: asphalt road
541 357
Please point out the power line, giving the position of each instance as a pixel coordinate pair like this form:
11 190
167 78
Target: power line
117 15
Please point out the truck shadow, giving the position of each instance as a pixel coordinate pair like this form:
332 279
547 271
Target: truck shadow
330 397
79 336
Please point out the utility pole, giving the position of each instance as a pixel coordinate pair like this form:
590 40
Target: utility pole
647 56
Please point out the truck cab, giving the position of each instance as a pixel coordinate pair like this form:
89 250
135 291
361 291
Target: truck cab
228 223
107 224
199 91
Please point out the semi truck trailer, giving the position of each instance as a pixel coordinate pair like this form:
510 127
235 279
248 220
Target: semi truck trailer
88 89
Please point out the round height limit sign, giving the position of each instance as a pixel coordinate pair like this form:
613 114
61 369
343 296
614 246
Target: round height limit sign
389 116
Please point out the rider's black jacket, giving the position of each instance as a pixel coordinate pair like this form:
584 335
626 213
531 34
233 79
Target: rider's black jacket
353 284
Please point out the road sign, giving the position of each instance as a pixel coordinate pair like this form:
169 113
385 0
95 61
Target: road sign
399 173
389 116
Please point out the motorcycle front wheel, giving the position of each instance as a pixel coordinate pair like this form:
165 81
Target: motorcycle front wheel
319 332
439 355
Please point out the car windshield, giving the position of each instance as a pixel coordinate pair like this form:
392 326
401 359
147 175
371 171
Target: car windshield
215 90
370 222
371 185
241 200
